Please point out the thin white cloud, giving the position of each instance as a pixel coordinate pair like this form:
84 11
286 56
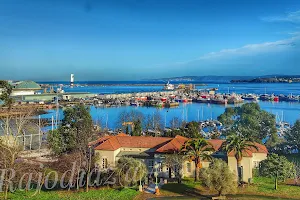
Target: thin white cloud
293 17
247 50
251 49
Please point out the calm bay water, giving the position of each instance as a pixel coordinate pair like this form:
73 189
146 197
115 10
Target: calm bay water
192 111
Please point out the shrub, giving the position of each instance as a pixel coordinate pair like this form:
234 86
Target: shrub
219 177
130 171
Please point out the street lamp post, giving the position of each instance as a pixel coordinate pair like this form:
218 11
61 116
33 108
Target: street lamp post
156 179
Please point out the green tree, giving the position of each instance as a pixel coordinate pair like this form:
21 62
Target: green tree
238 144
197 150
192 130
218 177
252 122
75 131
130 171
55 141
293 135
137 130
277 167
6 90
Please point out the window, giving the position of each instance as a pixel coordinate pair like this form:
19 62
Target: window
151 163
256 164
189 167
104 163
160 167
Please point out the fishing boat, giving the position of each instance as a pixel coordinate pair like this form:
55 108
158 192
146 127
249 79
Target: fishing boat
235 99
218 100
202 100
168 86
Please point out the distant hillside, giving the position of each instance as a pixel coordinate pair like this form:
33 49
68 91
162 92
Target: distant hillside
270 79
230 79
204 79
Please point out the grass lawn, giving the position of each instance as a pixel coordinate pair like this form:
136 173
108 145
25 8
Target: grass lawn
101 194
262 189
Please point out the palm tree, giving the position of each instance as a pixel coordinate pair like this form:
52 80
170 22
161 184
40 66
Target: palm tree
198 150
238 144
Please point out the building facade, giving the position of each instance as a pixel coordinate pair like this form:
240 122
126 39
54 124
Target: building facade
25 88
152 151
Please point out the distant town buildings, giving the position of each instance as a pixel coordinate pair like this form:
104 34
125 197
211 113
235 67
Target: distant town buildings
21 88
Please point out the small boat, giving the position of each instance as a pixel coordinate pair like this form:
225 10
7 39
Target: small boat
283 97
163 99
250 97
292 98
134 103
276 98
265 97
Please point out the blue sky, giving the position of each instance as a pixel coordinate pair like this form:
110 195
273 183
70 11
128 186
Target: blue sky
137 39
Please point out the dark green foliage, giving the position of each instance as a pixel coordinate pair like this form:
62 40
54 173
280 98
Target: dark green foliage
293 136
277 166
192 130
6 92
252 122
137 130
189 130
74 132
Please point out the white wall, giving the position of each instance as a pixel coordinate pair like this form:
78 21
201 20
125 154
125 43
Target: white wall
22 92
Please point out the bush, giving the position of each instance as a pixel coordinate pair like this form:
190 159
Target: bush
130 171
219 177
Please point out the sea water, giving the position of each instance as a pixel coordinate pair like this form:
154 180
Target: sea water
108 117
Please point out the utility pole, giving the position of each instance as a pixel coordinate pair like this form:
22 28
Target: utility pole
39 132
52 123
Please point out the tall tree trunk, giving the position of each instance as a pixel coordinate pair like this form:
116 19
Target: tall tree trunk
196 170
239 170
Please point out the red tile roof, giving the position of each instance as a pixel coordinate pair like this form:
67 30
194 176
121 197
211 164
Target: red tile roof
216 144
248 153
161 144
116 142
173 146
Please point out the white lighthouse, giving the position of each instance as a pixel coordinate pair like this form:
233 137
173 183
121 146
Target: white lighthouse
72 80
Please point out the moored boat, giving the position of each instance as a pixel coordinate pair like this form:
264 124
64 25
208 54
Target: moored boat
250 97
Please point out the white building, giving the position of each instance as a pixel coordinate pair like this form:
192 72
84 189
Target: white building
25 88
